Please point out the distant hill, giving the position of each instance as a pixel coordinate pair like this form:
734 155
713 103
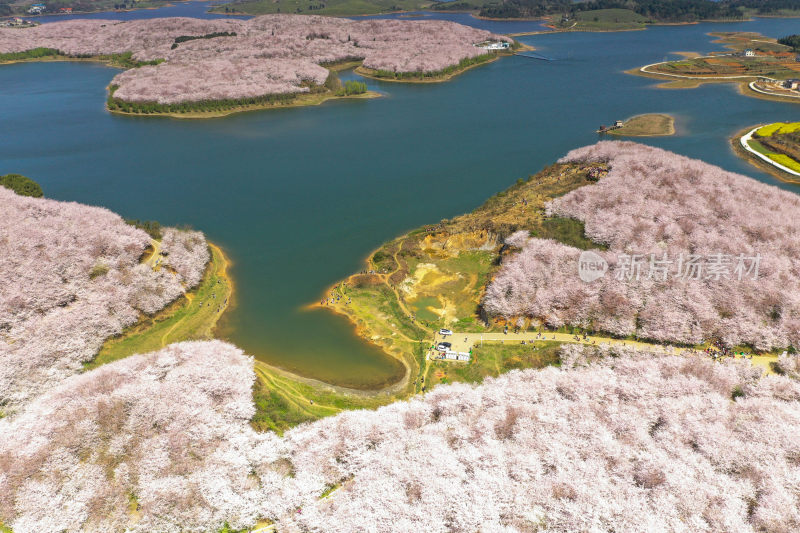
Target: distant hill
643 10
593 14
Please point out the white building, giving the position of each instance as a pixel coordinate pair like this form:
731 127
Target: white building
502 45
749 53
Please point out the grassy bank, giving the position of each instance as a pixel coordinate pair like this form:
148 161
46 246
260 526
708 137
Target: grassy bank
651 125
194 316
492 360
426 77
221 108
123 61
217 110
283 400
429 77
434 276
614 19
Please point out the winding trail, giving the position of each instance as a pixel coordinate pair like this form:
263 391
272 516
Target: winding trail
746 145
685 77
154 257
752 85
292 395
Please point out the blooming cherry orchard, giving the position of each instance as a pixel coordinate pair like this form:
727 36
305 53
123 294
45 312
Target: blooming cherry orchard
694 253
268 55
633 442
71 279
186 252
166 430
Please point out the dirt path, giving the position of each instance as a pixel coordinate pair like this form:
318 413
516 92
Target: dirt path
292 395
463 342
154 258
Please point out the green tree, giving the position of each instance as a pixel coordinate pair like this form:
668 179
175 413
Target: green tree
21 185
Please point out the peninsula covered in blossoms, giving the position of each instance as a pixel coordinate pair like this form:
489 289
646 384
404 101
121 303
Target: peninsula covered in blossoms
458 308
195 67
107 447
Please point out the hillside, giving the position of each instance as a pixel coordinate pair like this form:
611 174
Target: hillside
73 277
615 435
611 441
336 8
675 272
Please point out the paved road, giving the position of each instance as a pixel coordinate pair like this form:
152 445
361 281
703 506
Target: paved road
746 146
755 88
685 77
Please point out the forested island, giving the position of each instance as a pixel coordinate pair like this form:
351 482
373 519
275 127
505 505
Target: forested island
202 68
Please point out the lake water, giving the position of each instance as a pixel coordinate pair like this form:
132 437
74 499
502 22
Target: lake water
298 197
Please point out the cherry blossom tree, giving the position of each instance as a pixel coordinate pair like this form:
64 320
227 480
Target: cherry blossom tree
612 440
664 209
268 55
71 279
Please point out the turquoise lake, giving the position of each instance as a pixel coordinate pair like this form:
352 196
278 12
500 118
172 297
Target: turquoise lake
298 197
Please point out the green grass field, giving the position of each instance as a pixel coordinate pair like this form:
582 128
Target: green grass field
646 126
283 402
492 360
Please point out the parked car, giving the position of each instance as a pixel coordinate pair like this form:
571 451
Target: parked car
445 332
443 346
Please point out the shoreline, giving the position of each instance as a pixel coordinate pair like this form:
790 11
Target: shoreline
230 300
66 59
746 83
155 331
748 89
376 299
302 100
735 142
359 329
367 72
299 100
